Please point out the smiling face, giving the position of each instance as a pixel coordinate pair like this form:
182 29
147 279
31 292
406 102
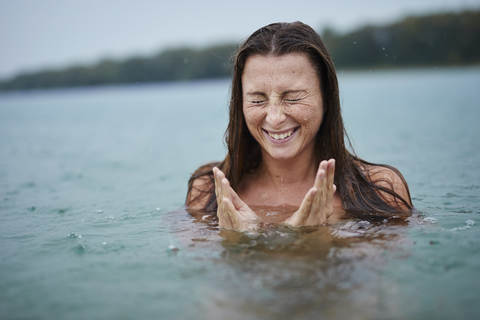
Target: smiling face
282 104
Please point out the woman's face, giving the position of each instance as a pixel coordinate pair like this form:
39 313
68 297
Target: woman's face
282 103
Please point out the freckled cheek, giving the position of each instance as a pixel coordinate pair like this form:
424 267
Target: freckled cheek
254 119
304 116
308 117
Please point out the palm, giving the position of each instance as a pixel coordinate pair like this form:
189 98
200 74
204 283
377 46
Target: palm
317 205
232 212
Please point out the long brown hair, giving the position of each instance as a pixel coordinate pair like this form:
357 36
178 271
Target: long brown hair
358 192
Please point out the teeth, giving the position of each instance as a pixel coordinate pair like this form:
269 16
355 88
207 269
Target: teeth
280 136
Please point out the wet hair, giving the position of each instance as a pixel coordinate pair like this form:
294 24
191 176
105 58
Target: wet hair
361 195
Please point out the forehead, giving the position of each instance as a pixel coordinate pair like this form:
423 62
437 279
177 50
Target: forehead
292 71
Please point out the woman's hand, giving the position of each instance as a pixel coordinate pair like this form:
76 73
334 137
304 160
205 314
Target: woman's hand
317 205
232 212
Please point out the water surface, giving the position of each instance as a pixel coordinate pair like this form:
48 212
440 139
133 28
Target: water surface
92 225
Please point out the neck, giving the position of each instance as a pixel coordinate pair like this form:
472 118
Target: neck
281 172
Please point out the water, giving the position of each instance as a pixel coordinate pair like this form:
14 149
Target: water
92 183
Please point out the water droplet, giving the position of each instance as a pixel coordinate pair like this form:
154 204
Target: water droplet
363 224
172 248
74 235
430 219
469 222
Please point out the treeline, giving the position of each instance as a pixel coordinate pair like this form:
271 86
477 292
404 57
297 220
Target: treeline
168 65
433 40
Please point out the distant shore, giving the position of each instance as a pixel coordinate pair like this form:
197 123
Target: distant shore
436 40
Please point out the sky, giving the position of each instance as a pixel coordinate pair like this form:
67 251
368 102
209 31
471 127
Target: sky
37 34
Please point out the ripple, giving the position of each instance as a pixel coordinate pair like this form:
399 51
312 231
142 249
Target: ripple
451 195
468 224
71 176
79 249
62 210
430 220
29 184
112 247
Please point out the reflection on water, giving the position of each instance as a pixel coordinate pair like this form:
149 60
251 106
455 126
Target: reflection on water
281 273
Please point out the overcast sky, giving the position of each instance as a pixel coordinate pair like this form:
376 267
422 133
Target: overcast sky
51 33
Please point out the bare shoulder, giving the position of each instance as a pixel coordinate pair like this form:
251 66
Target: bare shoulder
390 179
200 188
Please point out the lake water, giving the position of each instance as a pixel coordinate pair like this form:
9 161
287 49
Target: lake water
92 225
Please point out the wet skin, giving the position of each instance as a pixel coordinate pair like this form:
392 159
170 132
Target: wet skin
283 109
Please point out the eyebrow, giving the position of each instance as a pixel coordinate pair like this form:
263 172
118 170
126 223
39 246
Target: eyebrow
256 93
295 91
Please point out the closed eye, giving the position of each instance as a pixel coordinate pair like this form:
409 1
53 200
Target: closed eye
293 100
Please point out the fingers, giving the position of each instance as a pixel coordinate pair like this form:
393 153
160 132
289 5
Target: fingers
227 213
219 187
308 200
330 173
320 185
225 188
224 220
302 214
322 167
231 212
236 200
323 201
329 181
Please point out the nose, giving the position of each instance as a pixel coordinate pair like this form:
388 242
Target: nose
275 115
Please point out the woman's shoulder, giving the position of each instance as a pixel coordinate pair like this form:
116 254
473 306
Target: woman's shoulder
200 187
391 183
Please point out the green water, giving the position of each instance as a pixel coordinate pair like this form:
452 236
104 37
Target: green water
92 225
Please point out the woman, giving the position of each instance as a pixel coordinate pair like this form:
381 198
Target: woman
287 161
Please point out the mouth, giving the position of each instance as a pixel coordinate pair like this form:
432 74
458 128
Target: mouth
282 136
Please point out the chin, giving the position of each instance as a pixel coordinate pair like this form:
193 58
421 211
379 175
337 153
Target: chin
282 154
